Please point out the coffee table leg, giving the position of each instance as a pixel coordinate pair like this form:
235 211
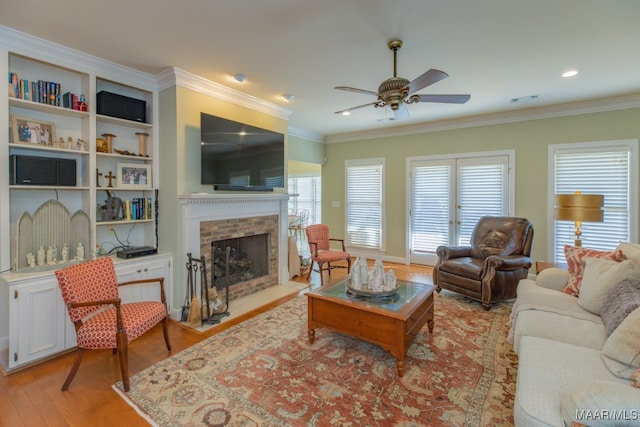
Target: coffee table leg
400 364
312 335
430 325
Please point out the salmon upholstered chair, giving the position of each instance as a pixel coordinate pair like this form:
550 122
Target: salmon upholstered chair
321 252
90 291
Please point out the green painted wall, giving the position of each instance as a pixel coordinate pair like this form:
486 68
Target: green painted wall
529 139
304 150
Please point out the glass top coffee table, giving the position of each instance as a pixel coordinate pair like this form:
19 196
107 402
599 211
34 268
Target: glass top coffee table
392 322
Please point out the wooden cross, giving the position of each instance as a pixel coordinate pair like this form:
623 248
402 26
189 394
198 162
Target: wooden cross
110 177
98 175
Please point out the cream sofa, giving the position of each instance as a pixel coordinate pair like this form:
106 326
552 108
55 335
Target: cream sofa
570 369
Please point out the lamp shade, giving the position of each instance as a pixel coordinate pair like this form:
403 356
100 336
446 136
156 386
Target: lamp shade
579 207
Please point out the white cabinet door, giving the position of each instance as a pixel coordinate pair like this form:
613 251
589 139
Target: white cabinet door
40 321
144 268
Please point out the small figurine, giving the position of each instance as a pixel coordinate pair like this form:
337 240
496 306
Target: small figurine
80 252
65 253
69 143
31 259
51 256
41 256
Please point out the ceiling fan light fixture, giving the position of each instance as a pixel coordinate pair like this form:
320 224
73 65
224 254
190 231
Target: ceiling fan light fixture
346 113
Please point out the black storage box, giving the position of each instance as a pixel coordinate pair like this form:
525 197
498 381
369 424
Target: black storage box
31 170
123 107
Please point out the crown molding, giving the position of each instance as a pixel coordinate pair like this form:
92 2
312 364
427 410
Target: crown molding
176 76
30 46
560 110
301 133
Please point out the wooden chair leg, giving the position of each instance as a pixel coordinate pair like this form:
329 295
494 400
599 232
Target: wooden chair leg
310 271
321 275
74 369
123 356
165 332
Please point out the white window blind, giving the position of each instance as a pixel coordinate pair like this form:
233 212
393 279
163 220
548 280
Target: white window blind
481 191
594 169
365 203
431 189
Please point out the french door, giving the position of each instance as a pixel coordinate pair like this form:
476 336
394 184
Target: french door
449 194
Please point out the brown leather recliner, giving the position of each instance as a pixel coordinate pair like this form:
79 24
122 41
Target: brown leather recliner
489 270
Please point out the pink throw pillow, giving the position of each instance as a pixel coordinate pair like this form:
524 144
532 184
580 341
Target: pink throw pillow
576 256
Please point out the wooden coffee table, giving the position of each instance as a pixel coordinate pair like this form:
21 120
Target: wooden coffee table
392 323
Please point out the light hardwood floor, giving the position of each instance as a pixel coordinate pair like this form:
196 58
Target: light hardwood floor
32 396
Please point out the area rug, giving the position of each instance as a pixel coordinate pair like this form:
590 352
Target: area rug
264 372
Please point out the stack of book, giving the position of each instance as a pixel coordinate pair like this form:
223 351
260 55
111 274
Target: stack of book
44 92
138 208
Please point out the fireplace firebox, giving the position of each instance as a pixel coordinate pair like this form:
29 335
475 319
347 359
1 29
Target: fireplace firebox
239 259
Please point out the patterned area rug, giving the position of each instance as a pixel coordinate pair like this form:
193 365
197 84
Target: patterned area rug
264 372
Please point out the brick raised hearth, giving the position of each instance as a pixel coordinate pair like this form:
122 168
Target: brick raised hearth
209 217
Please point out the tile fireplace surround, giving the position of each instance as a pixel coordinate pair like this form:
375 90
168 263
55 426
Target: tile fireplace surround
203 213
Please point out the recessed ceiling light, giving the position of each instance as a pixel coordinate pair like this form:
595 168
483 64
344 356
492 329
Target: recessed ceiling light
288 97
569 73
346 113
239 77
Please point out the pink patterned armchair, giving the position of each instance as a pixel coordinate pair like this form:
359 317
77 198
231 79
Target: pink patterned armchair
321 252
90 291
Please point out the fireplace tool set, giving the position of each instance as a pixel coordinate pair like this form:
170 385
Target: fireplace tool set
202 303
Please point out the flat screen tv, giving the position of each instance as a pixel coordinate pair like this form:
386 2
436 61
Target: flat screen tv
238 157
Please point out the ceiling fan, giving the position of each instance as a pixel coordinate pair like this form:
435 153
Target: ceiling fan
396 91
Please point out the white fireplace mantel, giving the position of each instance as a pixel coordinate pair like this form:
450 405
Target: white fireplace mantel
200 207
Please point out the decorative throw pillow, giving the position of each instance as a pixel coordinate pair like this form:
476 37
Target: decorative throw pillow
576 256
630 251
621 300
600 276
621 351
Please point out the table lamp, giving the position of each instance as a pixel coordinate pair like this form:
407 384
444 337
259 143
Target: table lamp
579 208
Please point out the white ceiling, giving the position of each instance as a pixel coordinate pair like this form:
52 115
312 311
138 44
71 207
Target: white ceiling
494 50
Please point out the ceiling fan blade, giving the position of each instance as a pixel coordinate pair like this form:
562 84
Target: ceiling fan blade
401 113
427 79
353 89
446 99
355 108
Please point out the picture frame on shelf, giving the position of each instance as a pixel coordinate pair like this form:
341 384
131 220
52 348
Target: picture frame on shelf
27 130
133 176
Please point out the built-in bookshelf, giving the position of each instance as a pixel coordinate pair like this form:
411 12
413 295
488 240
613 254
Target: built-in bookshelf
49 108
51 111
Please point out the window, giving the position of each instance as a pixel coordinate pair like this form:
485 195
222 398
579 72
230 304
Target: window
365 203
608 168
447 196
309 191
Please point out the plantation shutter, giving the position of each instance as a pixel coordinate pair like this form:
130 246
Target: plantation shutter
594 170
364 203
482 186
431 190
